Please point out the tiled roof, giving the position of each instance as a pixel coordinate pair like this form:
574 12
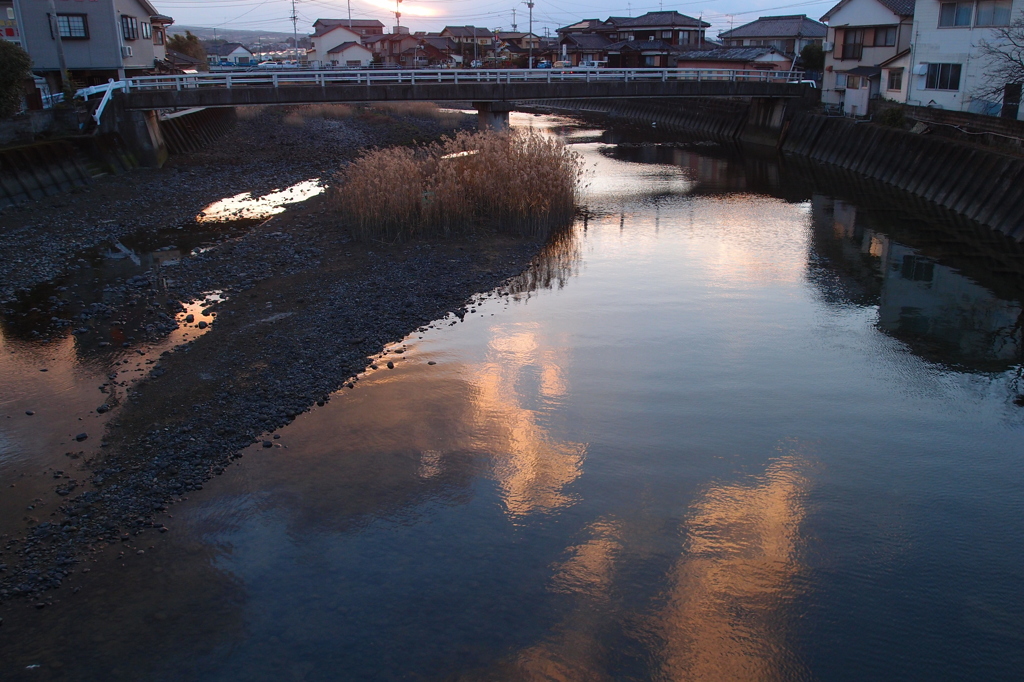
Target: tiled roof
901 8
581 26
654 19
588 41
224 49
344 46
726 54
323 26
468 31
779 27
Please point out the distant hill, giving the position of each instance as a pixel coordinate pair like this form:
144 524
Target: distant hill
235 35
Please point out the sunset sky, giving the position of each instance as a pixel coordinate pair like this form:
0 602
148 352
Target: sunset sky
433 15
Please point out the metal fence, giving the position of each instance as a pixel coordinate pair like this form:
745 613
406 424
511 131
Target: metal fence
280 79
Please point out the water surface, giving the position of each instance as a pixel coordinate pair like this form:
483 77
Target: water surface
742 422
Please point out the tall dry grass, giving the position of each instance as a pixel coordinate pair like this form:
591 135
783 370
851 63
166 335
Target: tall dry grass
428 110
519 183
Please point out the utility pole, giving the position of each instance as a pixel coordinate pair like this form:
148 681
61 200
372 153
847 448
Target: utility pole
398 15
295 33
65 81
514 20
530 5
350 15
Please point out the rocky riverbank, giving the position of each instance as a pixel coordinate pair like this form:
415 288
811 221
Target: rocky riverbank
304 312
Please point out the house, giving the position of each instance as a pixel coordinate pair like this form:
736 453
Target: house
949 69
184 62
101 39
895 77
765 58
584 47
229 54
329 34
862 34
388 49
474 42
789 34
350 54
521 40
627 42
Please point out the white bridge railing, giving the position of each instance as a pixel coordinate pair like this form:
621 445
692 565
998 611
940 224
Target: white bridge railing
281 79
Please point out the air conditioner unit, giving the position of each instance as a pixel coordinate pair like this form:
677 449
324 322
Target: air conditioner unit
827 46
126 50
921 70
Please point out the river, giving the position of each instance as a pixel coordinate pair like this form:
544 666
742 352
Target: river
746 420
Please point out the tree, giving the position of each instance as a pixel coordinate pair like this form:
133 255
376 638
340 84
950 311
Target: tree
15 68
812 57
1003 53
187 44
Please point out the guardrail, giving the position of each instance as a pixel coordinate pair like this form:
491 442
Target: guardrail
279 79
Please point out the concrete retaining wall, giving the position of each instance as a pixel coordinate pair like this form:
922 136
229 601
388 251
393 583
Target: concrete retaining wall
195 130
982 185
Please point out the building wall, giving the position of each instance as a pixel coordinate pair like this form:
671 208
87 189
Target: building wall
330 40
956 45
101 51
866 14
902 66
143 54
353 53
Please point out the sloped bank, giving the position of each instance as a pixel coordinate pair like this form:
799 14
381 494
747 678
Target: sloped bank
982 185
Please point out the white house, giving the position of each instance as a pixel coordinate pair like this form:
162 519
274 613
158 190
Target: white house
788 33
948 68
896 77
862 34
230 53
350 54
327 35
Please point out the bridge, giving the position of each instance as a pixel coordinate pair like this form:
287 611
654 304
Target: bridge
492 91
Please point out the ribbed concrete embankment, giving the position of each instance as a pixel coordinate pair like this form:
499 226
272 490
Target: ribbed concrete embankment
982 185
194 130
34 171
720 119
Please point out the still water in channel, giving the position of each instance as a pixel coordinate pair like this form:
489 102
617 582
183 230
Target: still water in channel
733 426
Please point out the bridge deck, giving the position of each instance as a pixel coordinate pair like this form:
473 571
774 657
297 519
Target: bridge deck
300 87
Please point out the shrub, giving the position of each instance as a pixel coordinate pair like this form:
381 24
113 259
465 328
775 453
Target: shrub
15 68
892 117
519 183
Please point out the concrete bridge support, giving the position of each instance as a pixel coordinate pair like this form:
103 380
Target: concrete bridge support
492 115
764 121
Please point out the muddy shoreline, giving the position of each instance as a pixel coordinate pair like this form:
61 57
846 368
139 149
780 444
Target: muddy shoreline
306 311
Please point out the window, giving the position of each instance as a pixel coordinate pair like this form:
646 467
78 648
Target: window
955 14
129 27
147 31
993 13
666 34
853 43
73 26
895 79
885 36
853 82
943 77
158 36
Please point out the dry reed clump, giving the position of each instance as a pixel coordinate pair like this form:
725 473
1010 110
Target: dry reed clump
249 113
298 116
448 117
519 183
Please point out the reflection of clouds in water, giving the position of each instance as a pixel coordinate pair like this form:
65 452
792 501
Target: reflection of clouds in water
724 617
532 467
723 613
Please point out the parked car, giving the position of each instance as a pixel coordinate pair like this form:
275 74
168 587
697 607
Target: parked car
562 65
544 65
592 64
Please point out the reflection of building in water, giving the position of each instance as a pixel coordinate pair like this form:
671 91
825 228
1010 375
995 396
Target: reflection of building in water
531 467
943 315
725 616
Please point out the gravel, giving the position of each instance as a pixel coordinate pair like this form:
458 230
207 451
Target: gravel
307 310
